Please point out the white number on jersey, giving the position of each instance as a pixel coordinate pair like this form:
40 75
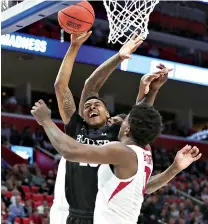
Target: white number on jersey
86 164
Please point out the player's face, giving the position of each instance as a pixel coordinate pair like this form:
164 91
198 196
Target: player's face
114 120
124 130
95 113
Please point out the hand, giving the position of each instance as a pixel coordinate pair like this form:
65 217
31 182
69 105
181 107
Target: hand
79 39
130 47
162 79
185 157
154 81
41 112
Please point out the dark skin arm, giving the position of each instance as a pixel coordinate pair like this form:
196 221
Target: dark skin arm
63 93
95 82
98 78
112 153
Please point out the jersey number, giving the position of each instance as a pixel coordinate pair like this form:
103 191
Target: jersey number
86 164
147 172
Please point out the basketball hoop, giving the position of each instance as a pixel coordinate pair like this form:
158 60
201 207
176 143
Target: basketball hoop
128 17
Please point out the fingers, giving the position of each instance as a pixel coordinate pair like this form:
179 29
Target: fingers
185 149
146 89
194 151
198 157
134 36
41 102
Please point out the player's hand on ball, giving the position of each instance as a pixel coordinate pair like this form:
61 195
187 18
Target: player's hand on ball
79 39
130 47
185 157
41 112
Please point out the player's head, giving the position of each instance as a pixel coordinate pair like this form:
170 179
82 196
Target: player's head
95 112
116 119
142 125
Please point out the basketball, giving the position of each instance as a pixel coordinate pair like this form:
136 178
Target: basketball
77 18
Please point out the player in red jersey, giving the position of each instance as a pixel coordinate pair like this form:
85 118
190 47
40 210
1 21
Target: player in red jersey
121 184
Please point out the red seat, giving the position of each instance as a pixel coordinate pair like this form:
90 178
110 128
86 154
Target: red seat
25 188
37 203
17 220
35 189
9 194
49 198
25 221
50 204
38 197
27 196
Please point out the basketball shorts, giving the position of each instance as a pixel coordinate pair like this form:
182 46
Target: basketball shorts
59 214
79 217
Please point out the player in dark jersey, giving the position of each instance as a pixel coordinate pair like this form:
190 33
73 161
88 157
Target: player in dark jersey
98 133
140 127
91 130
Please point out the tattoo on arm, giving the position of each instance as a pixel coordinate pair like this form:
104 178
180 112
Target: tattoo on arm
66 104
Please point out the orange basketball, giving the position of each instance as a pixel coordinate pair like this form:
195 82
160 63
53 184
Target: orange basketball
77 18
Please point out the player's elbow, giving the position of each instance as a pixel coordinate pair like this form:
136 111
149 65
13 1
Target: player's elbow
57 85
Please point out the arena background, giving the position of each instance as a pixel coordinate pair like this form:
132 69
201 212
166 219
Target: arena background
178 37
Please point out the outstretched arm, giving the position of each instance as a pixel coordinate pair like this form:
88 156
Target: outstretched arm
151 83
185 157
63 93
112 153
95 82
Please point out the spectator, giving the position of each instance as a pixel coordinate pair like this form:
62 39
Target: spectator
3 212
15 137
5 131
42 207
13 199
26 137
37 135
3 196
37 179
44 188
28 208
35 217
196 215
16 210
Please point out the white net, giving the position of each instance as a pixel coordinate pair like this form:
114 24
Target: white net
4 5
128 17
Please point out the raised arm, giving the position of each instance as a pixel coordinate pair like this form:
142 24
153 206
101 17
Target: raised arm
94 83
63 93
185 157
112 153
151 83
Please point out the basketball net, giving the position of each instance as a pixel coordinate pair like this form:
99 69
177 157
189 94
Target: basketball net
4 5
128 17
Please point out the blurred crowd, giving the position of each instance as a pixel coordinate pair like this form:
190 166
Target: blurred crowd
26 194
25 137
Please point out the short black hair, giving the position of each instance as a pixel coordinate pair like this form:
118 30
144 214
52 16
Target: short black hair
123 116
98 98
145 124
